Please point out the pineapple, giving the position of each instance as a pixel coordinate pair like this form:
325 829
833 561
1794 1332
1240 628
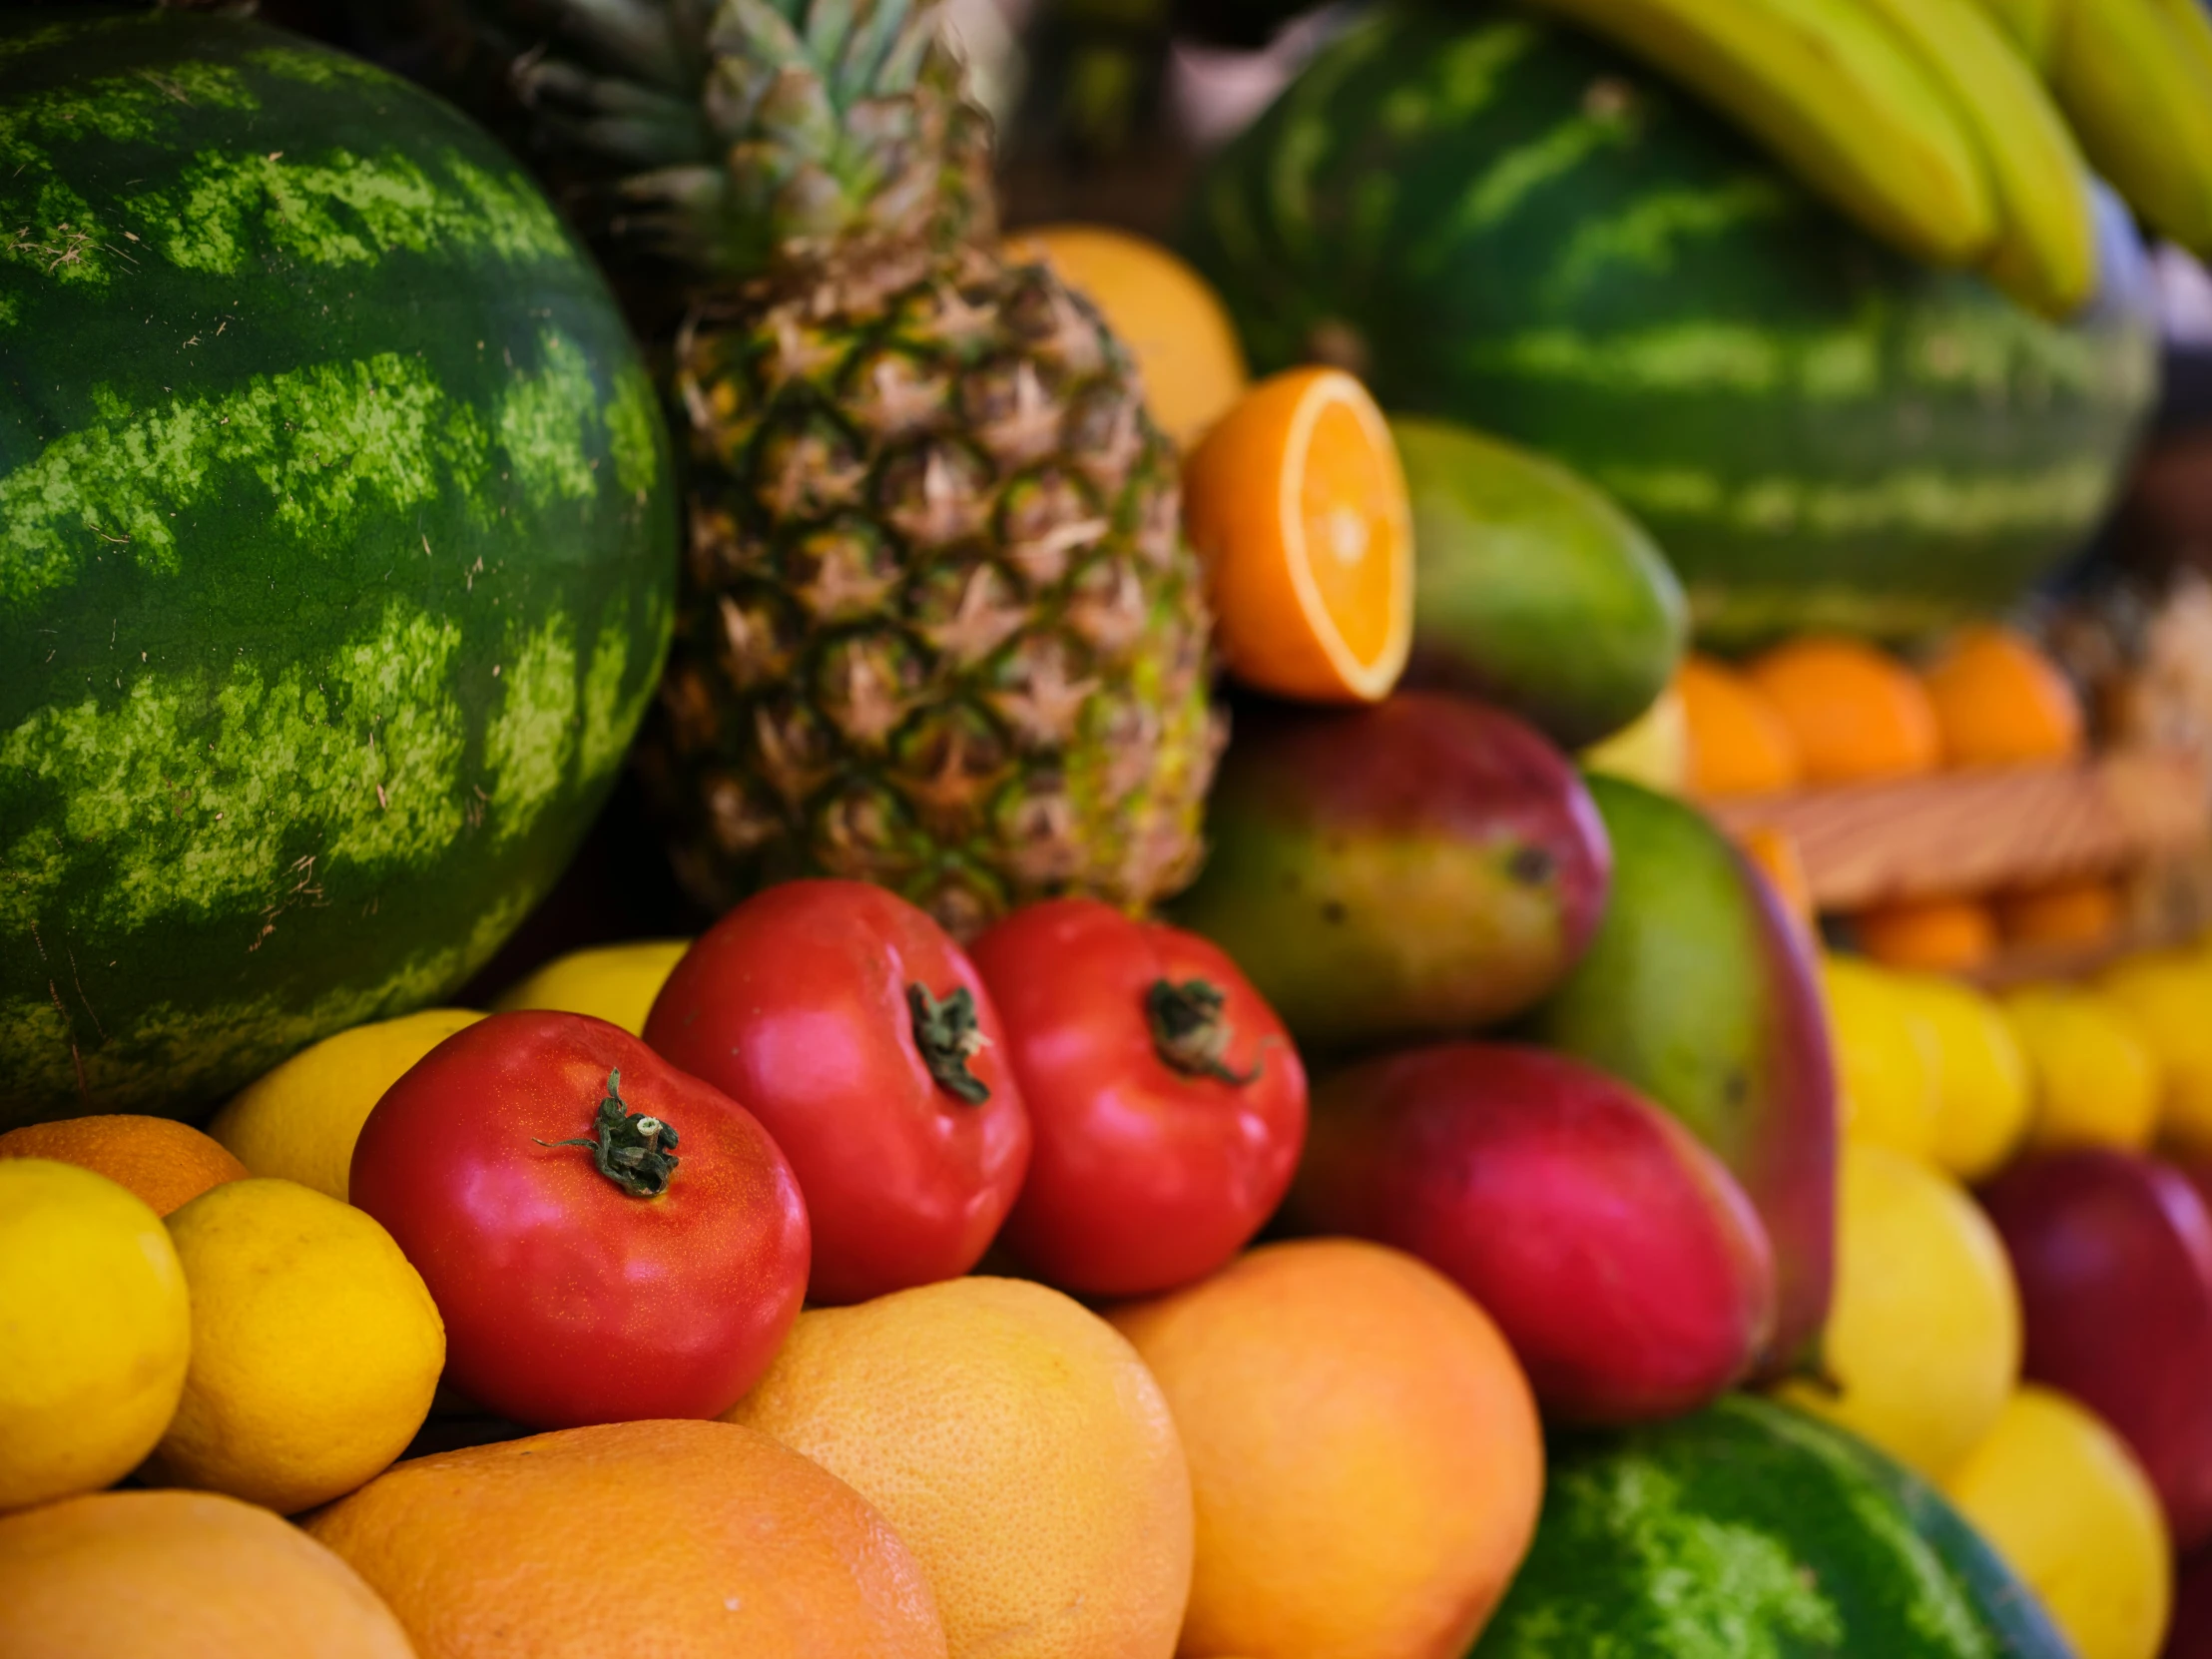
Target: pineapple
939 629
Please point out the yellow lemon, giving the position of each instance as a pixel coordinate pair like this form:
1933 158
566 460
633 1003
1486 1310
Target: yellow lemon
1982 1081
1886 1059
616 982
94 1330
315 1346
1923 1345
2062 1499
299 1122
1173 323
2097 1082
2167 998
1652 750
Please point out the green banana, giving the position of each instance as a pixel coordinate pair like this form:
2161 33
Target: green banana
2046 249
1837 95
2031 24
2135 77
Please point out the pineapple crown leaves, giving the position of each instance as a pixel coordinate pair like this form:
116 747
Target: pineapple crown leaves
743 138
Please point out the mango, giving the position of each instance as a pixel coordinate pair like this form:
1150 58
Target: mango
1702 993
1419 868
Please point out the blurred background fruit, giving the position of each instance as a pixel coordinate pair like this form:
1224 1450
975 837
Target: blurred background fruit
95 1331
1018 1447
1363 1451
162 1161
1619 1257
1297 504
2165 995
561 1544
2095 1082
2062 1499
1331 831
2077 914
2000 701
301 1121
157 1575
1187 351
1888 1090
1652 750
1532 591
2113 1257
1738 742
614 982
315 1348
1934 935
1982 1078
1855 714
1700 992
1924 1346
1751 1528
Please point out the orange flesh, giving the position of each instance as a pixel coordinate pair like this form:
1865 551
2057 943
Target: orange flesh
1344 499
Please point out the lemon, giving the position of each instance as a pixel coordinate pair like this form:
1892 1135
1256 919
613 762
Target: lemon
2065 1503
1982 1082
315 1346
2097 1082
616 982
1652 750
1924 1335
299 1122
1886 1059
94 1330
2167 998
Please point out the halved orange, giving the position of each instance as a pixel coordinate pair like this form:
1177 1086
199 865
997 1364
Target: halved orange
1297 504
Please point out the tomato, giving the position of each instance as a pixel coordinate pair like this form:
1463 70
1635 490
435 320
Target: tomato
1167 1101
607 1238
863 1037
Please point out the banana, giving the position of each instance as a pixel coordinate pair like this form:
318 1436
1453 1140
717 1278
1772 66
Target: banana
2135 77
2031 24
1837 95
2046 249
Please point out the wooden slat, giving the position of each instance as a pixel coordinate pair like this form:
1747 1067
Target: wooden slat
1979 832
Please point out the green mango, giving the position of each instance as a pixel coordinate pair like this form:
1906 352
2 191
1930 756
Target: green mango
1532 590
1700 991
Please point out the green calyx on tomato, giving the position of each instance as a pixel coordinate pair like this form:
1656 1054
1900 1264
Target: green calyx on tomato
634 1150
1189 1031
948 1037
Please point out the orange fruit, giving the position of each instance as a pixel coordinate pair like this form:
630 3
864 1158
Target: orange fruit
1020 1449
2000 701
1738 744
1774 852
166 1163
1857 713
1297 504
634 1537
1934 935
1364 1449
180 1575
1174 325
2085 913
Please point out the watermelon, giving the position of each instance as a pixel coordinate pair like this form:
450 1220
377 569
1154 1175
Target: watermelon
338 543
1752 1531
1503 223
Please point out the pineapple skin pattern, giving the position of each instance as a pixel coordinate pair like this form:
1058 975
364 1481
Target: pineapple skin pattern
939 629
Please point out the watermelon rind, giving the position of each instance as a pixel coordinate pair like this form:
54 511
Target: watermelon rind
337 539
1753 1531
1500 222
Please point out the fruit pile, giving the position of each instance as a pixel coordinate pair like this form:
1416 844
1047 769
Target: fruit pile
1227 1098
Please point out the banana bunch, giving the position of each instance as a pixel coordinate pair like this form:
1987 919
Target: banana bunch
1934 122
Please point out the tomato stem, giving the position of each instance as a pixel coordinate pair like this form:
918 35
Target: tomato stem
634 1150
1189 1031
948 1037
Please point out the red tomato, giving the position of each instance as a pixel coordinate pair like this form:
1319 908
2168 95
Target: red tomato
570 1295
1167 1101
858 1032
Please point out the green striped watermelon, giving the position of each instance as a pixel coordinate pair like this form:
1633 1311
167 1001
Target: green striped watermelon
1752 1531
336 552
1503 223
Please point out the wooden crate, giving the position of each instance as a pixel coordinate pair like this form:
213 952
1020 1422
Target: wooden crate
1984 831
